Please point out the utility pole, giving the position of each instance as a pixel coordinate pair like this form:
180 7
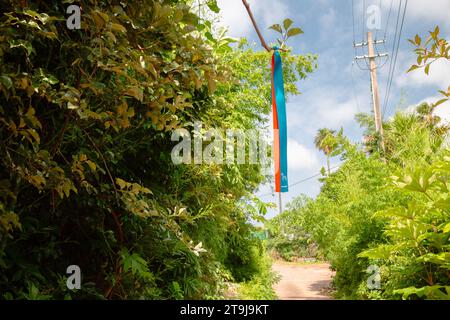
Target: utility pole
280 205
374 80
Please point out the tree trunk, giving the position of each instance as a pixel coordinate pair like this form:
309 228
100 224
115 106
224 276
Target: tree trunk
328 165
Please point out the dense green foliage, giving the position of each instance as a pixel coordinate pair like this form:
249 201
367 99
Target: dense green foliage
288 238
392 214
416 257
383 218
86 176
260 287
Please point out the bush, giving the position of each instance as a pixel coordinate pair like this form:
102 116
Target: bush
260 286
394 212
86 175
287 237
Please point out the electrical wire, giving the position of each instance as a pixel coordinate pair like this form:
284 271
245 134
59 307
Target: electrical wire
376 30
396 54
363 21
364 32
384 39
354 38
355 96
388 19
392 56
353 19
298 182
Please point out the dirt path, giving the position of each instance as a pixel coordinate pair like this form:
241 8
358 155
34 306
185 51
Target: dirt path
302 281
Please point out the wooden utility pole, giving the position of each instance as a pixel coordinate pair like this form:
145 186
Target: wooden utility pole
280 205
374 82
375 93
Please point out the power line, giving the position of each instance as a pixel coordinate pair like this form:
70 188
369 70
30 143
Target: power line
355 96
297 183
399 38
304 180
386 28
381 10
393 53
367 68
388 19
363 21
354 36
396 55
384 36
353 19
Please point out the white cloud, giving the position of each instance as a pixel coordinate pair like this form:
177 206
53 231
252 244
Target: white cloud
322 107
300 157
439 75
443 111
295 119
332 114
234 16
436 11
328 20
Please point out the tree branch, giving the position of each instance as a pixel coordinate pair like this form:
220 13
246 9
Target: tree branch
263 42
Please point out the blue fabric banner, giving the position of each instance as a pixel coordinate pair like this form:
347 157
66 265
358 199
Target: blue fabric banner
279 105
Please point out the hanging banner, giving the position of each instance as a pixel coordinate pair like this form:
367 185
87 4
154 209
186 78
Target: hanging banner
279 124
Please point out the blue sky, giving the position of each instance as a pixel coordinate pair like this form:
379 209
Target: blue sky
328 99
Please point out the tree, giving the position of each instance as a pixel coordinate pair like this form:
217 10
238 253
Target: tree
86 175
328 142
434 48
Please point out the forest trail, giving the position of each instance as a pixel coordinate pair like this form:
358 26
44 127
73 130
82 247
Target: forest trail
303 281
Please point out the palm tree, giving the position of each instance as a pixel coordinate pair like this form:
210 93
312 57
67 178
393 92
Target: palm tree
425 113
326 141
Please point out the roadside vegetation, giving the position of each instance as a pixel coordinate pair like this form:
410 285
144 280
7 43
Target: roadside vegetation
383 218
86 175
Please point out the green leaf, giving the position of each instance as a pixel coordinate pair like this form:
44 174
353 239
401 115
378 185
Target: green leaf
46 77
136 93
435 33
447 228
118 27
51 79
418 40
209 36
442 258
178 15
430 292
440 102
380 252
294 31
287 23
136 264
277 28
6 81
22 43
212 5
122 184
72 106
34 134
413 67
91 165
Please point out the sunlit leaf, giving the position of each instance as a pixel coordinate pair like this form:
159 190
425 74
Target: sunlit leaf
294 31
